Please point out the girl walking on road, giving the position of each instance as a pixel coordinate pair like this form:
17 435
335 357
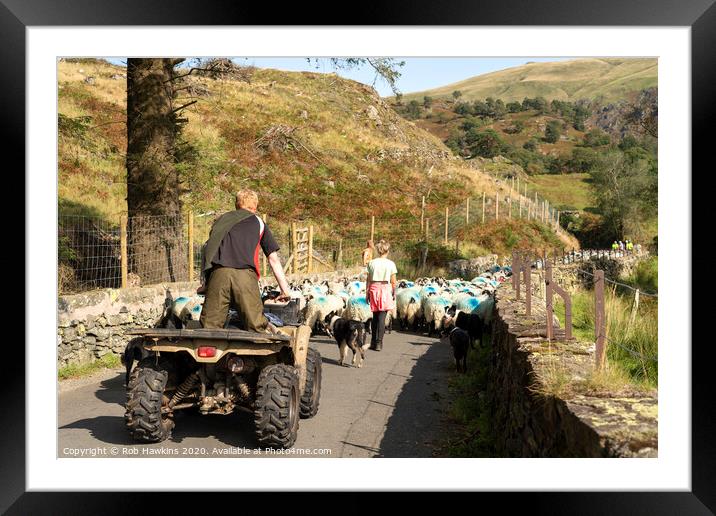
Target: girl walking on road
380 292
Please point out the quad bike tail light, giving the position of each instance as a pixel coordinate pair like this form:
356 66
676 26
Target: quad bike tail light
206 351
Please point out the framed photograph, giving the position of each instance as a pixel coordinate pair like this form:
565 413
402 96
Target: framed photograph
420 251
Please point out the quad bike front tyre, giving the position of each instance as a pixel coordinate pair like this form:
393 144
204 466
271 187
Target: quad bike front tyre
145 394
277 407
312 391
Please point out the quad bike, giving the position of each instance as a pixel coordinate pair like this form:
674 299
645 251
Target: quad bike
276 377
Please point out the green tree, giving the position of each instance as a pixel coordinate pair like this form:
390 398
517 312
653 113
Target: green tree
596 138
471 122
540 104
514 107
487 143
625 186
462 108
456 95
456 142
153 182
628 141
582 159
499 109
553 131
427 101
579 116
480 108
413 109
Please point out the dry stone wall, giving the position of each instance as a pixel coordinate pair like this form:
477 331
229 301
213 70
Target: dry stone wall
527 422
92 324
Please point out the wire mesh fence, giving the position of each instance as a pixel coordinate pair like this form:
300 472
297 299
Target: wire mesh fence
95 253
88 253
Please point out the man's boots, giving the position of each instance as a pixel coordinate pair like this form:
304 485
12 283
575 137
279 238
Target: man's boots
378 345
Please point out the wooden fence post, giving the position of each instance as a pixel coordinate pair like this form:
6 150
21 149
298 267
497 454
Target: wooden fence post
599 319
516 273
467 211
123 247
509 203
422 213
427 229
372 227
497 206
446 226
483 207
548 298
526 268
190 244
520 216
310 248
339 258
294 244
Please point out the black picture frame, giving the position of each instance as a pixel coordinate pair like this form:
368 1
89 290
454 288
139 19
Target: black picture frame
700 15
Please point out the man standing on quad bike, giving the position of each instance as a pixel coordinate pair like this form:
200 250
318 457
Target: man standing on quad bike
230 266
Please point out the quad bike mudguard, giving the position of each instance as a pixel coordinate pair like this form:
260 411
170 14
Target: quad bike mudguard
239 342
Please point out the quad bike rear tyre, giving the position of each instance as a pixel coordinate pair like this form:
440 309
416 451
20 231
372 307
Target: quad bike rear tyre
312 391
145 396
277 407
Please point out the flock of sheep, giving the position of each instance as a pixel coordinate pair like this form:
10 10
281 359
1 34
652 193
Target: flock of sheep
421 305
432 305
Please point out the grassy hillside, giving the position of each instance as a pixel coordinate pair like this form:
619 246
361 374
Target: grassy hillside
315 146
608 78
565 192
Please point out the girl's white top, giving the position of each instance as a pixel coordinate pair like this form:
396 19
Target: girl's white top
380 269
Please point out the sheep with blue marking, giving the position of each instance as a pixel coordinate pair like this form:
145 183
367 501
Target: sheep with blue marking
185 309
356 288
408 307
357 309
486 308
319 308
434 309
467 303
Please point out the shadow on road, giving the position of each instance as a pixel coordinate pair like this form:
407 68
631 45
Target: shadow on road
233 430
414 428
112 390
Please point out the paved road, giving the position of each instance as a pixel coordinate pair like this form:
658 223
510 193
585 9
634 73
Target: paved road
394 406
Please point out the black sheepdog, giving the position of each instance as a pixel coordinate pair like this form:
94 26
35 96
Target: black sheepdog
350 334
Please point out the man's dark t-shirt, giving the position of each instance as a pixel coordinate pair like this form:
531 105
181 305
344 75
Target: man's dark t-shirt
240 247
